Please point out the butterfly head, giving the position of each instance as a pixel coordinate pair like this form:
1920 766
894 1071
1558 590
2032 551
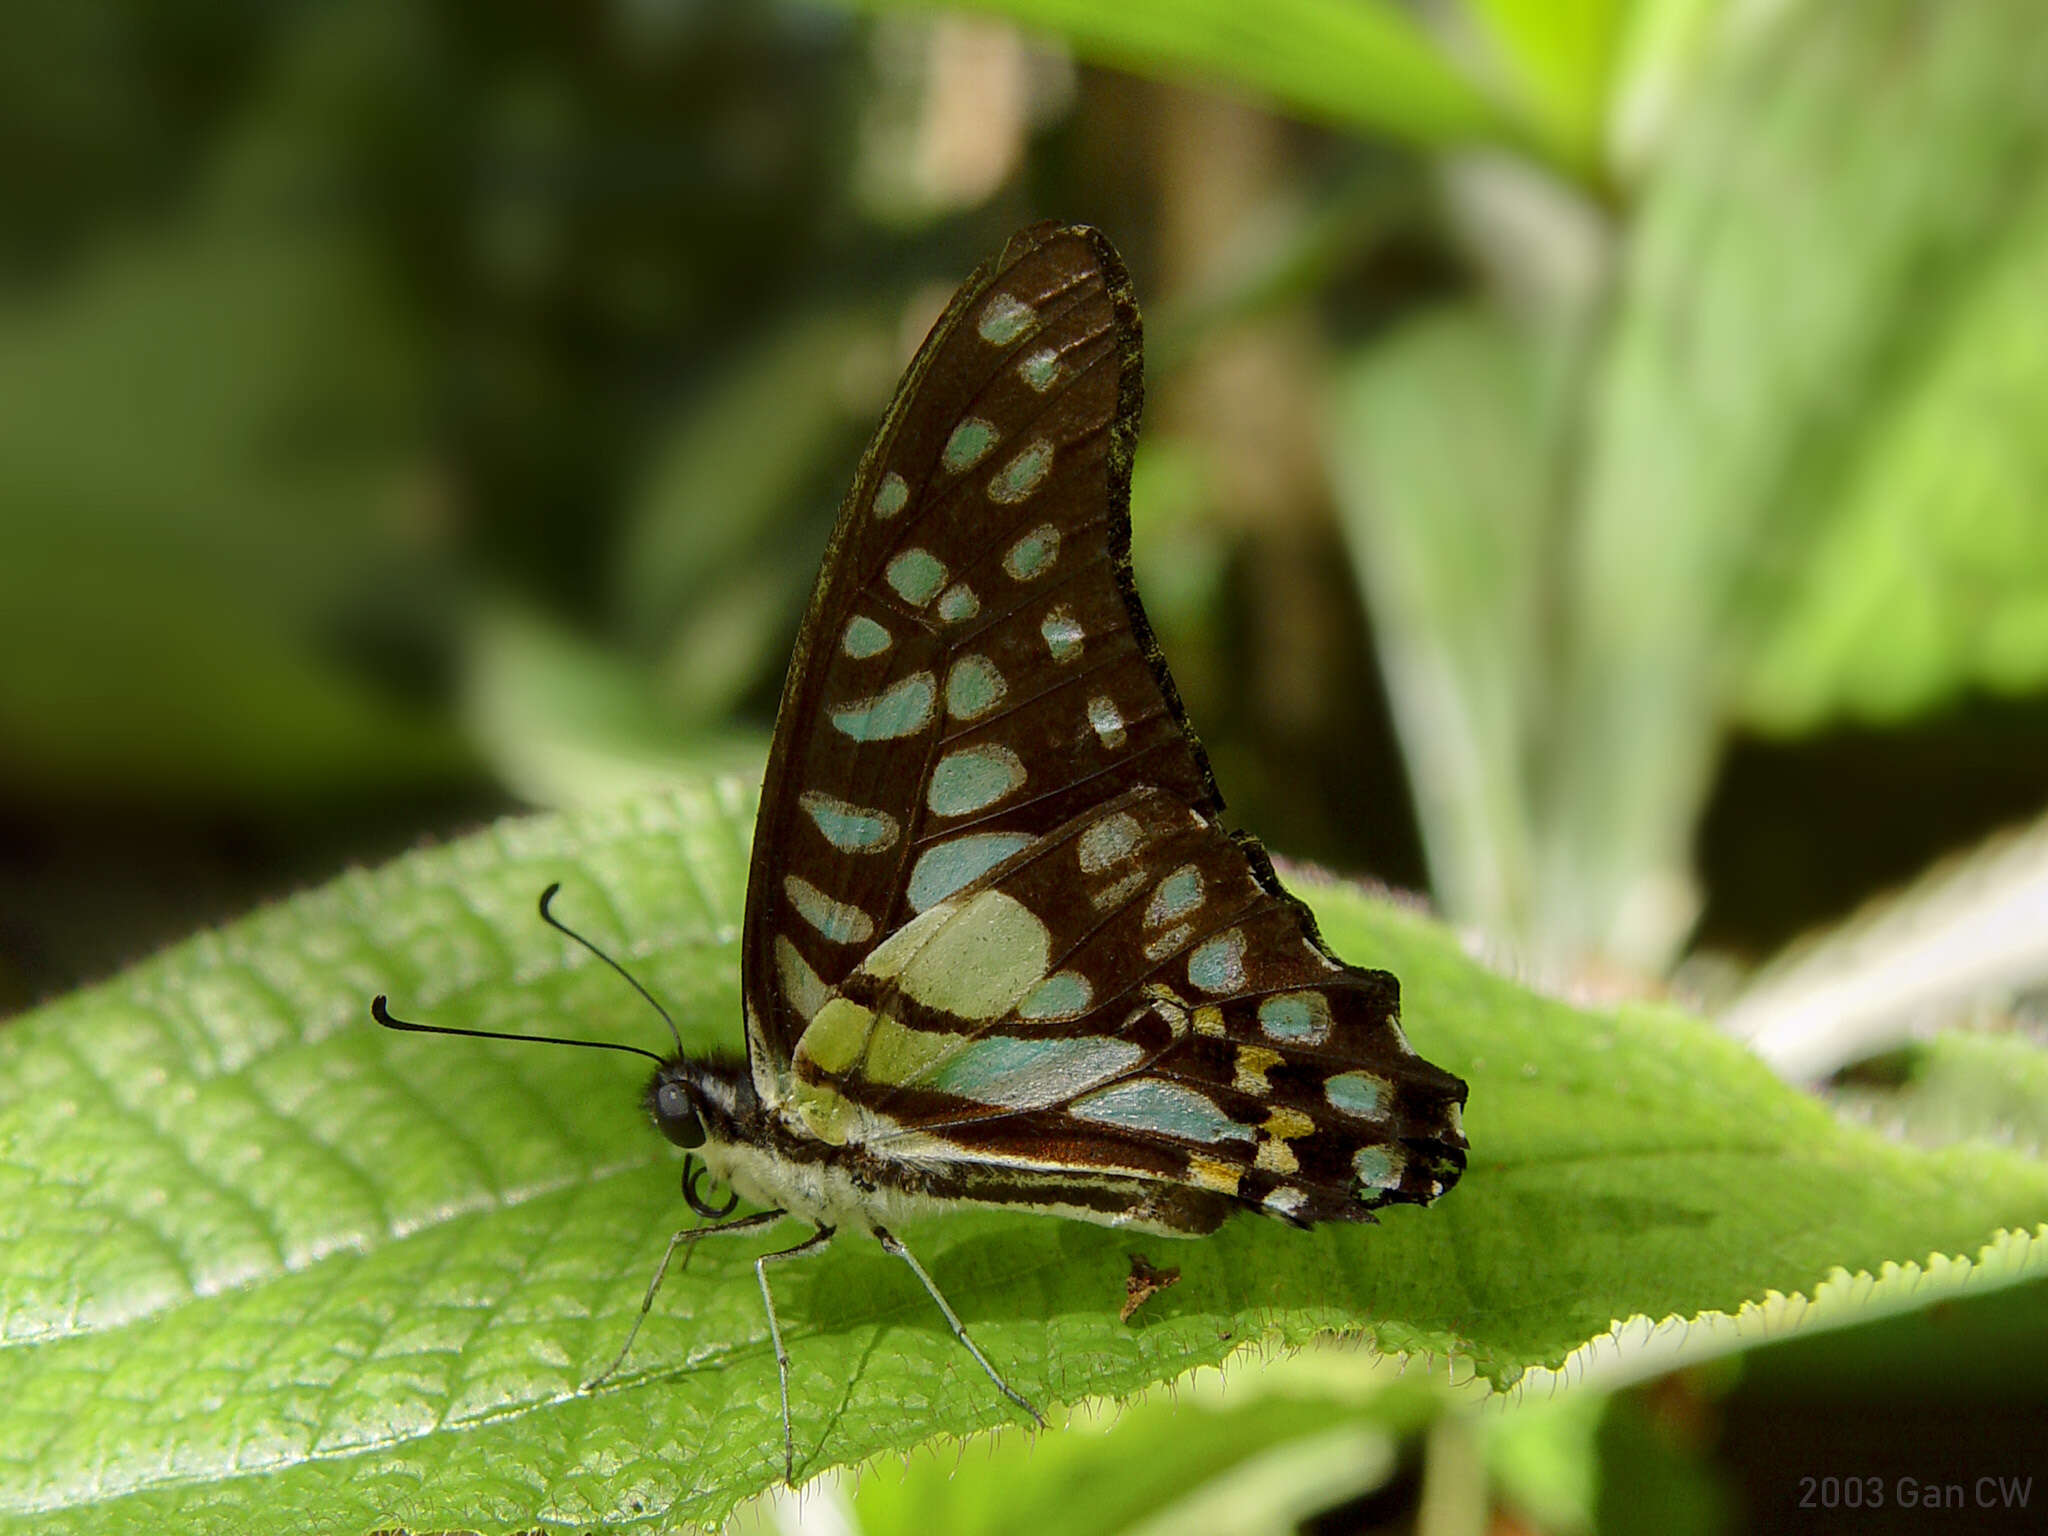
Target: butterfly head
675 1112
693 1100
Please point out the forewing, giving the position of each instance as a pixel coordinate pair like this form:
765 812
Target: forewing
1136 993
974 669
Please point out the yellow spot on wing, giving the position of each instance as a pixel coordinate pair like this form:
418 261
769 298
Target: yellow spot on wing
1208 1173
1209 1020
1276 1157
1287 1124
1253 1063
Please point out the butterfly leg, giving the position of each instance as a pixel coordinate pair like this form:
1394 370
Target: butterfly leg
811 1244
687 1241
892 1244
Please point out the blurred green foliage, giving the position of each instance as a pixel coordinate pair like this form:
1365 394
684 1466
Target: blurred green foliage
412 410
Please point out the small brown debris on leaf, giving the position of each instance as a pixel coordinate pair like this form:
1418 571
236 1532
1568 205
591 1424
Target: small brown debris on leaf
1144 1283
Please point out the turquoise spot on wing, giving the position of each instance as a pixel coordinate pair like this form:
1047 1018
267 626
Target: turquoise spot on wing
1357 1093
900 711
917 575
1033 554
1299 1016
1022 475
1041 370
891 496
1005 318
838 921
849 828
1218 965
864 638
958 603
1377 1167
1030 1074
973 687
973 779
1167 1109
1062 995
1176 896
968 445
959 862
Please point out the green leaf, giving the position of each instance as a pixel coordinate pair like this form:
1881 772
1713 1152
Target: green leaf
1360 64
1931 577
269 1267
1814 421
1962 1086
717 593
1558 58
1442 479
563 721
1170 1462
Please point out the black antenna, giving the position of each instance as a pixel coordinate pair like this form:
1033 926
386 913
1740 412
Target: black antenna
556 923
383 1016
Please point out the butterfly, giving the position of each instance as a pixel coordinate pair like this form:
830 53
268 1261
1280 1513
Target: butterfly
998 949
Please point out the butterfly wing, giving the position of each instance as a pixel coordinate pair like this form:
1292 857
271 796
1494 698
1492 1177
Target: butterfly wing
993 924
974 669
1136 995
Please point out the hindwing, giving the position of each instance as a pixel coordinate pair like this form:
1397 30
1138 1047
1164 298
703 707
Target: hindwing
1189 1028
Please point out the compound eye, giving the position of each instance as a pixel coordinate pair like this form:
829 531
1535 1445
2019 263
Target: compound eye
677 1116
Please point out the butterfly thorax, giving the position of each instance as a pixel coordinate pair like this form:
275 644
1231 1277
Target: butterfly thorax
768 1161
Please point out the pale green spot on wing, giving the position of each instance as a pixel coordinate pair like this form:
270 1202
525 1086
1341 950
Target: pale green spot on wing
1217 965
899 1054
864 638
902 710
801 988
1062 633
1175 896
837 1036
1017 479
958 862
1107 719
981 960
1062 995
891 496
1033 555
849 828
1167 1109
973 779
958 603
1041 370
839 921
973 687
1357 1093
1301 1017
968 445
916 575
1377 1167
1004 318
1105 842
1020 1073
